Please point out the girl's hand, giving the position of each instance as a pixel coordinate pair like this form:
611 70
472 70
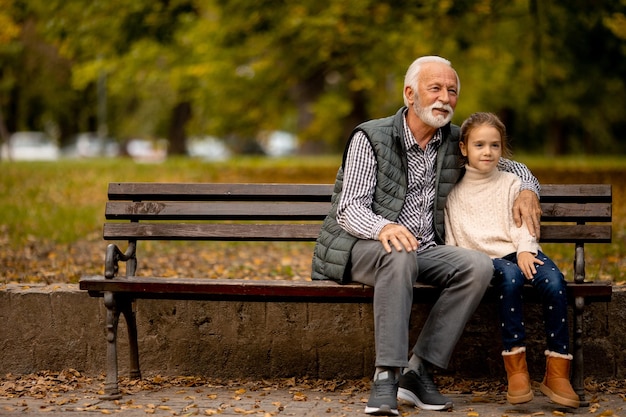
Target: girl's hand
526 262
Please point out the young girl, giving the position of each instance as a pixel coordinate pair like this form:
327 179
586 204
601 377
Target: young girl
479 215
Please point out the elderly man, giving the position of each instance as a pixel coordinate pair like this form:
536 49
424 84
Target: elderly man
386 229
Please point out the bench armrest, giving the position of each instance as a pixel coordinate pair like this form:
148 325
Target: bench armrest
114 255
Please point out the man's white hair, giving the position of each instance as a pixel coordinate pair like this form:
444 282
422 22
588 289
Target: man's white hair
410 79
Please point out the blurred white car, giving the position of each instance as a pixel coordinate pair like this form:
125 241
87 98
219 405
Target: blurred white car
278 143
30 146
208 148
147 151
90 145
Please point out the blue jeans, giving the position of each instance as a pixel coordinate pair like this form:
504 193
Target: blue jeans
549 282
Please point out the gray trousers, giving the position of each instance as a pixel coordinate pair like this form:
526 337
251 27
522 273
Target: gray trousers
463 275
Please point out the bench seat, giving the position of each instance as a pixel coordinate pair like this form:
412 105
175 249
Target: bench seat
292 291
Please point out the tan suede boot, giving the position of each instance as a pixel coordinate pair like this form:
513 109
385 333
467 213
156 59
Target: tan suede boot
556 383
517 374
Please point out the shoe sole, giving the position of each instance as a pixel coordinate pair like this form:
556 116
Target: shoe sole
519 399
384 410
557 398
408 396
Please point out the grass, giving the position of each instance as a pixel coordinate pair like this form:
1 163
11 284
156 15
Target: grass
63 201
53 210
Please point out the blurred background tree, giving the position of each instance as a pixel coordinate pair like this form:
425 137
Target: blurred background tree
554 69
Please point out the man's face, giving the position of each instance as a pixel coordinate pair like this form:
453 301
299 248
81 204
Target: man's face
436 96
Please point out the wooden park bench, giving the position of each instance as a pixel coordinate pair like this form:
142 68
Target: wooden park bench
573 214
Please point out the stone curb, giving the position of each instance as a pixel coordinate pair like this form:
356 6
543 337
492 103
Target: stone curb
55 327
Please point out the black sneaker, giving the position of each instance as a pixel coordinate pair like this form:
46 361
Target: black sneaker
420 390
383 398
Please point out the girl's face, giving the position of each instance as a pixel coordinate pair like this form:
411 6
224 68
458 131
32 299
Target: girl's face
483 148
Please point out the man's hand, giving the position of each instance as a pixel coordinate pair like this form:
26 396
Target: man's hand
526 262
398 236
527 209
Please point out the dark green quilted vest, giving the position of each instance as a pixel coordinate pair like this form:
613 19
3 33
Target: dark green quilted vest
331 255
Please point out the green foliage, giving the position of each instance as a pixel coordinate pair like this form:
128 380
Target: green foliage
553 70
9 30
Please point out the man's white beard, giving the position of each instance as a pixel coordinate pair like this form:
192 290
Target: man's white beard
426 114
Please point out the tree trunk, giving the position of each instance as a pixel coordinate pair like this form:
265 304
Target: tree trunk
181 114
4 135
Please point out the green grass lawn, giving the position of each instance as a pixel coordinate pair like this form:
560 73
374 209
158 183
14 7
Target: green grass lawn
51 213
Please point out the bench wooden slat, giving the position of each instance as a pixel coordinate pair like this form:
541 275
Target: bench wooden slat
210 191
576 192
240 289
304 192
229 210
277 210
576 233
596 291
289 291
213 231
589 212
302 232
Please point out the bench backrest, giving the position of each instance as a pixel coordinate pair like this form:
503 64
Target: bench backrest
572 213
293 212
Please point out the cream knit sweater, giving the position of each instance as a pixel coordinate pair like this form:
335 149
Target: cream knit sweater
479 214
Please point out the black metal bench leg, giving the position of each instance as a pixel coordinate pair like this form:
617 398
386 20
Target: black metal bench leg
111 387
578 382
131 324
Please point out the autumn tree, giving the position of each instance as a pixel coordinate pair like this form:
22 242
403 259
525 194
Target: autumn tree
553 70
